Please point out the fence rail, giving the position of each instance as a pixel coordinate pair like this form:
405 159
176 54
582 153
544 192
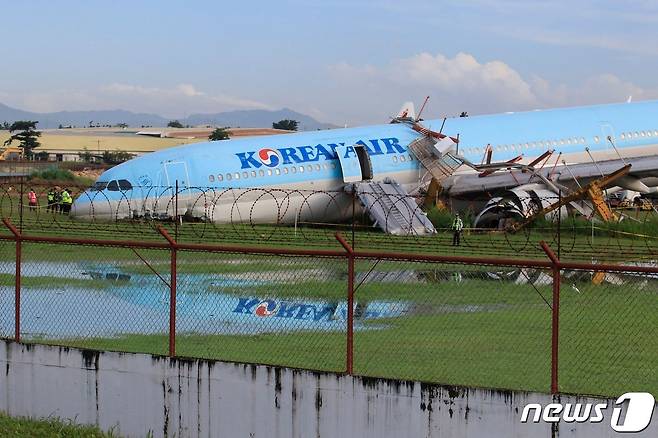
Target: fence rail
533 324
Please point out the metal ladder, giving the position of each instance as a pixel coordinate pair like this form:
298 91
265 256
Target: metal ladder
382 201
440 167
391 208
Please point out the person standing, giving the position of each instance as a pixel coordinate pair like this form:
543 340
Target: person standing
51 200
457 228
32 199
67 201
58 200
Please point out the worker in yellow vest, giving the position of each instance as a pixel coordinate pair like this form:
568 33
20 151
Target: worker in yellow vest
457 228
67 201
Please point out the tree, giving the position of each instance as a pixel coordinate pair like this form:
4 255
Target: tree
219 134
174 124
5 126
116 157
26 133
288 125
85 155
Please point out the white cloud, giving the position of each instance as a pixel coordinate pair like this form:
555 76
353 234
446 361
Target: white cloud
177 101
464 83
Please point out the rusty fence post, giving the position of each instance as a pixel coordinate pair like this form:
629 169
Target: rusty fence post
349 356
17 285
172 292
555 320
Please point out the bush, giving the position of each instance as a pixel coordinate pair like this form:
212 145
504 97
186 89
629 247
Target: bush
443 218
54 173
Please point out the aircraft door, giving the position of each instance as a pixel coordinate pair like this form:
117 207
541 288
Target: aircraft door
607 130
354 163
176 171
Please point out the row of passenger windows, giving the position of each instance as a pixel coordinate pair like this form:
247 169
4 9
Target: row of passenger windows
270 172
402 158
554 143
291 169
637 134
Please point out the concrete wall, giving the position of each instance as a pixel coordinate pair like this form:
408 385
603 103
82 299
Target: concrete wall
189 398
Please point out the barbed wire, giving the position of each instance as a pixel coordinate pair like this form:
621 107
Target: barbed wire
311 217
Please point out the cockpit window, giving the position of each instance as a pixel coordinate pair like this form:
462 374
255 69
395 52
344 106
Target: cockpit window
99 185
124 184
113 186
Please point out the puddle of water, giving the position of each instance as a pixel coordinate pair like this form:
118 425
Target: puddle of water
139 303
78 312
45 269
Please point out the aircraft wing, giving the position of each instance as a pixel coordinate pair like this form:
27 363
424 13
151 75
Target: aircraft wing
643 176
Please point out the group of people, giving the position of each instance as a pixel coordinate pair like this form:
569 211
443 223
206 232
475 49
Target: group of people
59 201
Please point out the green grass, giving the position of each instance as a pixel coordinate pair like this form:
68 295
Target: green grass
22 427
476 332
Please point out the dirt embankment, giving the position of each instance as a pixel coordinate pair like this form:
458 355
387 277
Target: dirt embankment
92 174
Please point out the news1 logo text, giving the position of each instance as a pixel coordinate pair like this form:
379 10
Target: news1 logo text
637 412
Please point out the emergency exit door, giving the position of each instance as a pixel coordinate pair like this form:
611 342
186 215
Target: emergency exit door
176 171
354 163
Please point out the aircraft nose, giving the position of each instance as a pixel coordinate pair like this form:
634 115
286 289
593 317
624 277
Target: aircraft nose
81 207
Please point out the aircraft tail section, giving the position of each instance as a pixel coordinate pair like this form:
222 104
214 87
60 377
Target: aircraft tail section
408 111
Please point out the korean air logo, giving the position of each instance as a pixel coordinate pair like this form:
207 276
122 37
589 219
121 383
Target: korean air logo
266 308
269 157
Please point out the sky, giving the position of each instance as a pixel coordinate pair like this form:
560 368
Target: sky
344 62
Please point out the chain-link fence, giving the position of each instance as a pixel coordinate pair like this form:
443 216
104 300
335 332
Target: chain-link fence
608 332
7 288
101 297
475 325
499 323
259 308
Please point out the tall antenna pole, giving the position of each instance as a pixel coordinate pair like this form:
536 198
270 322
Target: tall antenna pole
422 108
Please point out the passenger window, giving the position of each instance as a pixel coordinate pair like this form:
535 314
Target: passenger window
220 177
113 186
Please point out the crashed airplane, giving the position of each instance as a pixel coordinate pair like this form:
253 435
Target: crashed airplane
519 160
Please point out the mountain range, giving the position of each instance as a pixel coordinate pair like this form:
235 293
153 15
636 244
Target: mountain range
234 119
